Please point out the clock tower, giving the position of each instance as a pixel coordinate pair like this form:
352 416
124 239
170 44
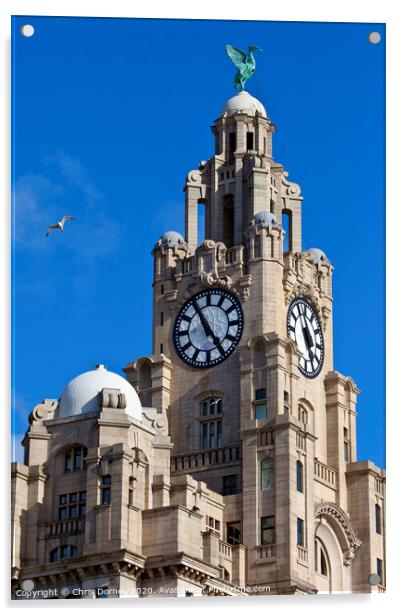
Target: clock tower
242 364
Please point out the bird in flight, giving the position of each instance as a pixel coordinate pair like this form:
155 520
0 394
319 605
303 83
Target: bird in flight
59 225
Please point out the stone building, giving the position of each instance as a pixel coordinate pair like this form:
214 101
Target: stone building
225 463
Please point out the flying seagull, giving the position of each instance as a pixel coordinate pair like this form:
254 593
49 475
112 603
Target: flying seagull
59 225
244 62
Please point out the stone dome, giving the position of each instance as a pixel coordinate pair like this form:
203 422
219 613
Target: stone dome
81 395
317 254
264 219
172 238
243 102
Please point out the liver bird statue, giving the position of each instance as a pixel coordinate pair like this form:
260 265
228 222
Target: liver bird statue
245 63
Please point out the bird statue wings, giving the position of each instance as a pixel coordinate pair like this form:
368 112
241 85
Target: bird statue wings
244 62
59 225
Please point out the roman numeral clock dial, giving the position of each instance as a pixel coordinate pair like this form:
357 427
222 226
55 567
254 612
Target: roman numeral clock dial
208 328
304 329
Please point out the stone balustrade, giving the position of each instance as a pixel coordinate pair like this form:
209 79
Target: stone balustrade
325 474
64 527
205 458
302 554
266 551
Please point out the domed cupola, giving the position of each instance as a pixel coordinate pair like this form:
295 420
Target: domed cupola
243 103
82 394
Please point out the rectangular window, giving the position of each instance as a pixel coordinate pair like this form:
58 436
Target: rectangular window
72 505
300 532
68 462
268 530
378 519
229 485
261 410
106 492
261 394
204 436
233 533
299 476
232 142
379 569
162 318
162 289
250 141
161 348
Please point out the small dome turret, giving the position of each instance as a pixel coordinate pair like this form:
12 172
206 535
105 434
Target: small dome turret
317 254
264 219
81 395
172 238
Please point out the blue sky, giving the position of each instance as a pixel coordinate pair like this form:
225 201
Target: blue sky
109 115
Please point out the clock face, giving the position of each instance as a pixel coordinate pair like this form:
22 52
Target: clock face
208 328
305 330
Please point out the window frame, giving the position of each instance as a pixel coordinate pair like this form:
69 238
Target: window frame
270 467
299 476
301 539
267 525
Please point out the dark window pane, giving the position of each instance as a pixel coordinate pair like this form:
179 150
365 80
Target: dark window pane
64 551
229 484
54 555
106 496
261 394
106 480
233 535
219 406
73 497
250 141
300 532
219 433
378 519
299 476
83 497
82 510
73 550
77 459
63 513
205 436
267 530
379 569
68 462
73 511
63 499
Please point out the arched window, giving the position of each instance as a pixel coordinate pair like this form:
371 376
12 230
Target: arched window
302 414
321 559
267 475
299 476
62 552
211 423
74 459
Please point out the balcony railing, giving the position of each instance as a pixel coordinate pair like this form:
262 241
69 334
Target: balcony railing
300 441
302 554
225 549
325 474
65 527
205 458
266 551
379 486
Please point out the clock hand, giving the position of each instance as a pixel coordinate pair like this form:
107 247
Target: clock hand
206 325
307 338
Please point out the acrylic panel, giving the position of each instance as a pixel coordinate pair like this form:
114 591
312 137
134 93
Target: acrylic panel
198 250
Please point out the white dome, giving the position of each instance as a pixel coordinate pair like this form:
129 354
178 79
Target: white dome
243 102
81 395
264 219
172 237
317 254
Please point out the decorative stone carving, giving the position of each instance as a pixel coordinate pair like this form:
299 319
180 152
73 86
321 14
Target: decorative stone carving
291 188
44 410
347 537
113 398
